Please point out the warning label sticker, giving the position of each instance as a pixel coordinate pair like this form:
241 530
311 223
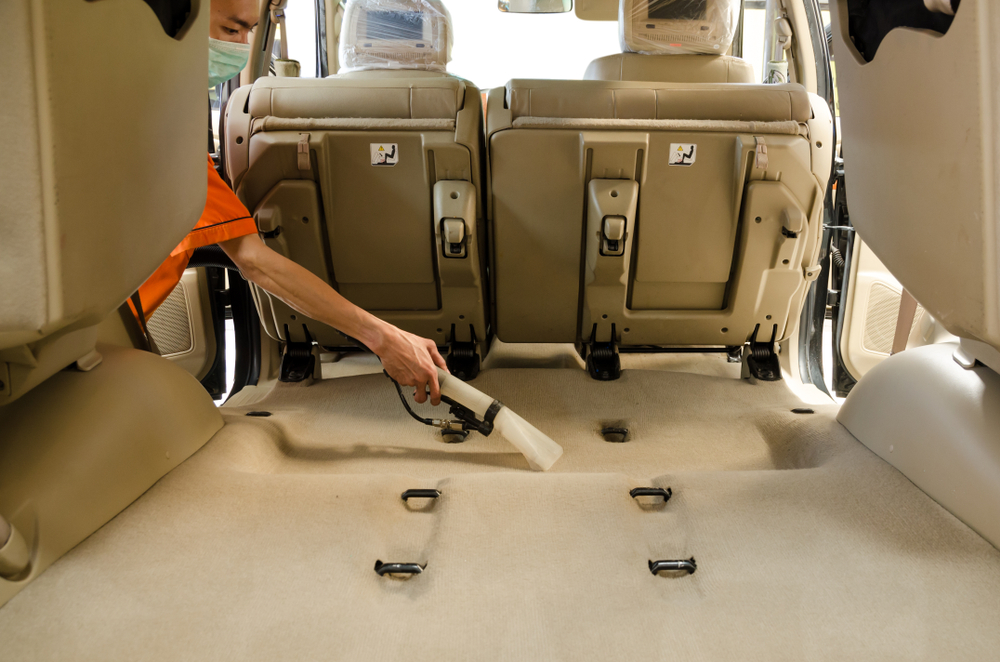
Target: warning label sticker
683 154
385 154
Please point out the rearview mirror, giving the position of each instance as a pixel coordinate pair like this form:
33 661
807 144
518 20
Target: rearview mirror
536 6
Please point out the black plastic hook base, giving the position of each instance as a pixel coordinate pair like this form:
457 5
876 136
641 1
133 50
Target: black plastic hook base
615 435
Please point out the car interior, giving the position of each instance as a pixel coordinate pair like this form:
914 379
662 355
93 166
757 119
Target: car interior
779 415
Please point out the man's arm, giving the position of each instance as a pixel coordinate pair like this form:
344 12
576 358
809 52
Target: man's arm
409 359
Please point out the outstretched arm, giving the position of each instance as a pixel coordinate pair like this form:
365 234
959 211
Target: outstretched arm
409 359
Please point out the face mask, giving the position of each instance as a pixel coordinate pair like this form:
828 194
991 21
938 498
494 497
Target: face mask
225 60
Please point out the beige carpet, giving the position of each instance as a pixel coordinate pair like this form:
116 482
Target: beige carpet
262 545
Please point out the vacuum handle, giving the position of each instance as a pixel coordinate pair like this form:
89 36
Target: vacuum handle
468 396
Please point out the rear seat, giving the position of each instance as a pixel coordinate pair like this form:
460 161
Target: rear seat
371 179
712 243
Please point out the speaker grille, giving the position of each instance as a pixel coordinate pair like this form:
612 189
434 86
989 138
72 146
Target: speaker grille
881 317
170 326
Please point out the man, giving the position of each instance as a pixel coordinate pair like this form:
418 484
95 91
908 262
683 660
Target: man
409 359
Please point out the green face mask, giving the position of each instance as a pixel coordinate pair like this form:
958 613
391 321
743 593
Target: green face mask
225 60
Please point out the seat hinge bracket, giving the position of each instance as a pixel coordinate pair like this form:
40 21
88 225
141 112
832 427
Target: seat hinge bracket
603 361
760 360
298 363
463 359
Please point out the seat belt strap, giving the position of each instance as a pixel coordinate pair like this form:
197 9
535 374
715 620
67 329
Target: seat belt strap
907 312
137 302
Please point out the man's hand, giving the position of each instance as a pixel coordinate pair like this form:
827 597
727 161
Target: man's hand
411 361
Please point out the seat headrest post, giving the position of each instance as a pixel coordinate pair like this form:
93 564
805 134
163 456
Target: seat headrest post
395 34
675 27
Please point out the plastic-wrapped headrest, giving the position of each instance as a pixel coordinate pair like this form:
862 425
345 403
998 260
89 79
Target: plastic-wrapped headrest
677 26
395 34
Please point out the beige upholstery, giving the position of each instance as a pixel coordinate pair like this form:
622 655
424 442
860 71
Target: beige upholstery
373 232
629 100
710 251
671 68
90 87
674 51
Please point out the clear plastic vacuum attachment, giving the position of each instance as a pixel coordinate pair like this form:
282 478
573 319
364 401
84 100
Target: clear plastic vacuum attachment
476 411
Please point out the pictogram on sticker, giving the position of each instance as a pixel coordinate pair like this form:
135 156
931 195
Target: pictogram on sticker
385 154
683 154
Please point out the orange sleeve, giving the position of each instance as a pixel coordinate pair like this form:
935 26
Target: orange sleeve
224 217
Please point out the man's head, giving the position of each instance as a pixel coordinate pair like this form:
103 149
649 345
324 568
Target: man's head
233 20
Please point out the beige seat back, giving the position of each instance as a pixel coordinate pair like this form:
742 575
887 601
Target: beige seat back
654 214
674 41
103 169
372 184
922 164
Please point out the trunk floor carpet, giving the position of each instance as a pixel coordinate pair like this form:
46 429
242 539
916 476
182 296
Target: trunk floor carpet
262 545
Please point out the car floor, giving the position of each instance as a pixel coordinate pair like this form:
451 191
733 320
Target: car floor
262 545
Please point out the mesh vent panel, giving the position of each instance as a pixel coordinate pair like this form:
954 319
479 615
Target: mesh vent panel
170 326
881 317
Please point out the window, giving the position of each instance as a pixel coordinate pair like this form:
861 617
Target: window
492 47
300 20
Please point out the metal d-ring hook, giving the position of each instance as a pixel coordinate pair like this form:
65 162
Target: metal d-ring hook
688 566
420 494
384 569
652 492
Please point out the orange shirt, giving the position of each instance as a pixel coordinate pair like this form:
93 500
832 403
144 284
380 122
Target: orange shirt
224 218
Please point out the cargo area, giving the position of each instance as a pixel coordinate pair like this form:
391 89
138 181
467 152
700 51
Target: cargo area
262 546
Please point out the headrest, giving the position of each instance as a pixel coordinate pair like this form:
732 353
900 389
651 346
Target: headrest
677 26
395 34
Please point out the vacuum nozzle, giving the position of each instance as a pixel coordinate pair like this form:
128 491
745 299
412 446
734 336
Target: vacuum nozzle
476 411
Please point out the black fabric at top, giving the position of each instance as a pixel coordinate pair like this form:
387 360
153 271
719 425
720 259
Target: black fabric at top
869 21
173 14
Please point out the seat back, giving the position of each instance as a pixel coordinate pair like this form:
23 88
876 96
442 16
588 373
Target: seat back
103 175
395 34
372 184
654 214
674 41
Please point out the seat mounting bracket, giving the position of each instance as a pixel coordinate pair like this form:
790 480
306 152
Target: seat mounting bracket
603 361
463 360
759 358
298 362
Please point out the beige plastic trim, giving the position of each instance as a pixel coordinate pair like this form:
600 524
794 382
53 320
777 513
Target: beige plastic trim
14 554
198 360
119 429
597 10
102 222
937 423
922 159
